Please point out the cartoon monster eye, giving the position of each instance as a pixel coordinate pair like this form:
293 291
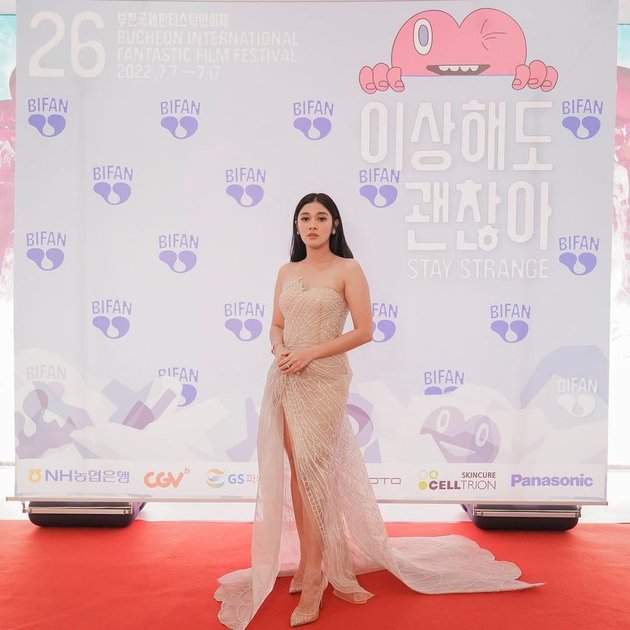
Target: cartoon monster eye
443 420
482 434
422 36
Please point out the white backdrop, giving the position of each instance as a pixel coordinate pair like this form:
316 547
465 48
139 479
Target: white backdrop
170 143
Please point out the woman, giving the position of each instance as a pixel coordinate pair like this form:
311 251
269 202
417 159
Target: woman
322 491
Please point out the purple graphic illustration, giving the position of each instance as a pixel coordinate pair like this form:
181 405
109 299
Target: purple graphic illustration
315 129
587 261
189 393
359 411
52 254
189 124
43 434
513 332
582 128
461 440
380 197
118 323
121 192
246 197
243 451
436 390
252 326
43 124
386 330
187 258
131 409
569 382
140 416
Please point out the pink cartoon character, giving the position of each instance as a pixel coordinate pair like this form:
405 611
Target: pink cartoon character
431 43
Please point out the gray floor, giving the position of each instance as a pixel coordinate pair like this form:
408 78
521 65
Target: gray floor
617 510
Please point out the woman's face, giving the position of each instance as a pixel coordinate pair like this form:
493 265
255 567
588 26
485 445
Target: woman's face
315 225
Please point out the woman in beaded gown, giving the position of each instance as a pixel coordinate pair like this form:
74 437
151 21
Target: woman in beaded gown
316 515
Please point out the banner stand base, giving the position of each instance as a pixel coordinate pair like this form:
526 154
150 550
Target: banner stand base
72 514
536 517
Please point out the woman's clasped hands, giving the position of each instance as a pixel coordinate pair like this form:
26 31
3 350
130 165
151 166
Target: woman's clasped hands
293 361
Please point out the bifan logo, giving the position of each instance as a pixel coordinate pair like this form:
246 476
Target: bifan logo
164 480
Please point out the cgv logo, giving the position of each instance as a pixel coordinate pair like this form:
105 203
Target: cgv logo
164 480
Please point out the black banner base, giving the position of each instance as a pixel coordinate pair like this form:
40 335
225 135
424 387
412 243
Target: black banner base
524 517
73 514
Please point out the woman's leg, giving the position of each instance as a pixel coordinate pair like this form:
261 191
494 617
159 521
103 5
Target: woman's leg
296 499
310 543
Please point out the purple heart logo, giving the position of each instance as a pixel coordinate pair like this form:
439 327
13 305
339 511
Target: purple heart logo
246 197
590 123
187 123
56 122
588 261
189 393
518 327
379 197
120 324
187 258
252 326
121 190
386 327
54 255
321 125
435 390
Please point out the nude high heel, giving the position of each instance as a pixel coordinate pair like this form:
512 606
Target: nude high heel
301 619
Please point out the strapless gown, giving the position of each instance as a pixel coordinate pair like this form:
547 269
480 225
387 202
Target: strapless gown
335 483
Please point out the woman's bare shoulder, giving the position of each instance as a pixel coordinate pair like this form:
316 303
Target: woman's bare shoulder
351 267
287 270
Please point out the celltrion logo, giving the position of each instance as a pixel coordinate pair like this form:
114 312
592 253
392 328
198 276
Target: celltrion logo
215 478
469 480
426 477
163 479
524 481
35 475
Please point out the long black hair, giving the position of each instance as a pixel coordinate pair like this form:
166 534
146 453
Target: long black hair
337 242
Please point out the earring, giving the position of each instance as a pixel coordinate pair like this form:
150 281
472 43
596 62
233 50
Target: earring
334 232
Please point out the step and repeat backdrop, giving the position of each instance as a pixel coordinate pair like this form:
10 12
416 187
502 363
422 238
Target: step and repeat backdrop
163 147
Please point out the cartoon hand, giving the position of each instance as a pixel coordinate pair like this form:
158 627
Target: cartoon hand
381 77
535 75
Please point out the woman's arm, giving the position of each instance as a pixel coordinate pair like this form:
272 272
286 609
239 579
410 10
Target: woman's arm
357 294
277 320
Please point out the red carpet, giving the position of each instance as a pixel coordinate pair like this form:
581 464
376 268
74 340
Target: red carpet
160 576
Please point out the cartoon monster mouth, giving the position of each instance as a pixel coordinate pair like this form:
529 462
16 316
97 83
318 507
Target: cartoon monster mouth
453 449
447 70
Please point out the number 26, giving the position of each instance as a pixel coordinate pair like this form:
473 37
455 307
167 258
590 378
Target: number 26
35 68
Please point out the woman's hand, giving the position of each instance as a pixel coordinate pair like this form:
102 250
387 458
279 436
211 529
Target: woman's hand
279 351
294 361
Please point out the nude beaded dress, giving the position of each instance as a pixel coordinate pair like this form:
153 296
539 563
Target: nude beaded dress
334 481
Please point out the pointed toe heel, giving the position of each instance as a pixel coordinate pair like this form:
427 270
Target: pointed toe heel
301 619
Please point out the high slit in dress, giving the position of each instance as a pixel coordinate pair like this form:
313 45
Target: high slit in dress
334 485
